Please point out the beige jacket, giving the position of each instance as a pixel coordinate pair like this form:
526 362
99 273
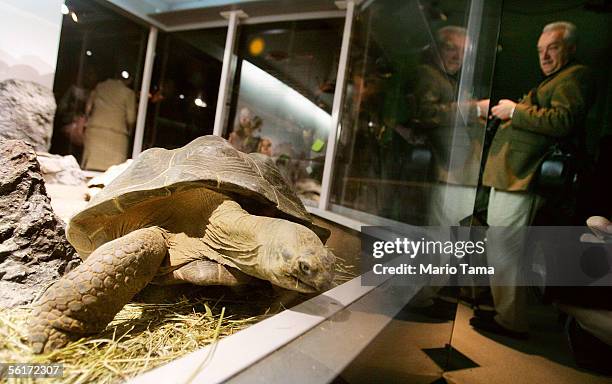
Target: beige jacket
114 107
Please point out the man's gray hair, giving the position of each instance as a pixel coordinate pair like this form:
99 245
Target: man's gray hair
450 30
569 30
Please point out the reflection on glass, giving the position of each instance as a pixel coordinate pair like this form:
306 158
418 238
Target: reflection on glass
413 123
453 128
184 87
103 51
410 144
282 96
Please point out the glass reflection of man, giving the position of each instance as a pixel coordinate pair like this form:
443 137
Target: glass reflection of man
553 111
453 129
455 132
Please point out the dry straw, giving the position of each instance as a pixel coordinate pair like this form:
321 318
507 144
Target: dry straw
143 336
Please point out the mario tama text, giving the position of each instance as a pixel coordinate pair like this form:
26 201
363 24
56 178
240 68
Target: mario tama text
404 256
431 269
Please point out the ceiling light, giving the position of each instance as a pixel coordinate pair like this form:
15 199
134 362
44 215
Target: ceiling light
277 31
125 74
200 103
74 17
88 52
181 96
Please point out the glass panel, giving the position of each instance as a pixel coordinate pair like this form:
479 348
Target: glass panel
184 87
282 96
409 152
411 139
103 51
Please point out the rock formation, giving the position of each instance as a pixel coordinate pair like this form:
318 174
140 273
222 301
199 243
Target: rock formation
26 113
33 248
59 169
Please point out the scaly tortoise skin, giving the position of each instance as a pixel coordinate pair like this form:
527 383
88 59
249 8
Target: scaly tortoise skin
205 214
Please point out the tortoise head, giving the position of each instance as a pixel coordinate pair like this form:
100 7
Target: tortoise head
296 259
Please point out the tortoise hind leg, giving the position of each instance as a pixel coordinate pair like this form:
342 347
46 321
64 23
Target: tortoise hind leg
205 272
86 299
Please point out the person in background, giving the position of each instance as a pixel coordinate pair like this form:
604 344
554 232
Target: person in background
71 117
112 113
553 111
265 146
589 323
243 136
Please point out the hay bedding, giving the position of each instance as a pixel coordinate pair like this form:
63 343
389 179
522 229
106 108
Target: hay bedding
143 335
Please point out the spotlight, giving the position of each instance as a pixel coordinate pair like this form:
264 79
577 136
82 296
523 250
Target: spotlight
65 9
88 52
125 74
256 46
181 96
200 103
74 17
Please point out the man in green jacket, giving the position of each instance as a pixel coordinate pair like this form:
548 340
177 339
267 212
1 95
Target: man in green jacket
551 112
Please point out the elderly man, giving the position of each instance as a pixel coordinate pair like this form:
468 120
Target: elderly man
551 112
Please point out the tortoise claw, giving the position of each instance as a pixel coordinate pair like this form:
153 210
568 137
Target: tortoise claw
47 339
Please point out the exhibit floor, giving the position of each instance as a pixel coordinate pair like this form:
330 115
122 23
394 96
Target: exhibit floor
402 353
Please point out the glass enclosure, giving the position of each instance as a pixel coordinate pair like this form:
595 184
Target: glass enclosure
184 87
410 144
409 150
282 95
98 47
412 131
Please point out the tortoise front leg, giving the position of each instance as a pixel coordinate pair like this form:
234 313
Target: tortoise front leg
86 299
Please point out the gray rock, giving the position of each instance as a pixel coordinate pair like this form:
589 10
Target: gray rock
15 271
26 113
33 248
58 169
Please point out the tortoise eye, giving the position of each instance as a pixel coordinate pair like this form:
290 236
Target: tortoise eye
304 267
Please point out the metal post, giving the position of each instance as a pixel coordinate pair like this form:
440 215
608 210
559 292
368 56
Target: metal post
330 152
224 83
144 92
466 78
465 97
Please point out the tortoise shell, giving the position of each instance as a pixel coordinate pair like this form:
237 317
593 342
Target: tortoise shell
209 161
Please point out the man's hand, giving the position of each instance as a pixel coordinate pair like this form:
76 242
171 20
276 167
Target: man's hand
483 107
503 109
601 227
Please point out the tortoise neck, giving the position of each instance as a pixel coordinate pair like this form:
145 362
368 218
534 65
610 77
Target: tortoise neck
233 232
229 214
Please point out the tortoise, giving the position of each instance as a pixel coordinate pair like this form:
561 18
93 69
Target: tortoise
205 214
